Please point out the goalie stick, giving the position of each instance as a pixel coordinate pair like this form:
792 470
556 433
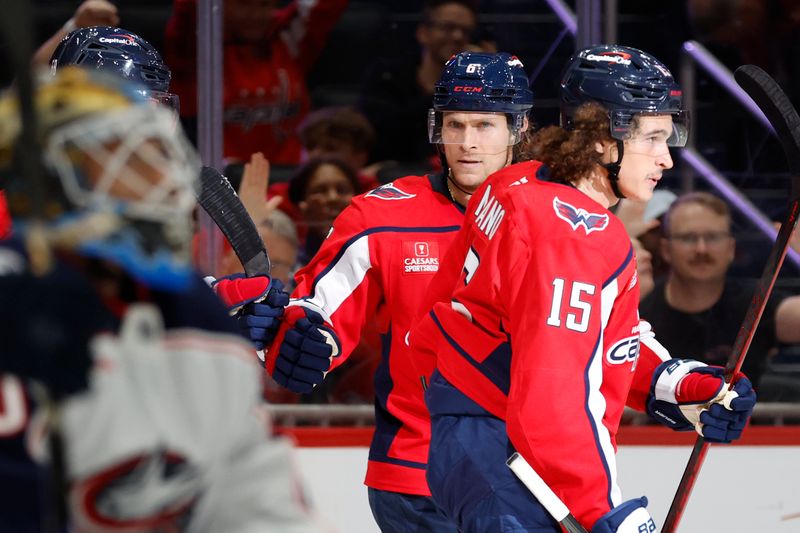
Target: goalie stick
542 492
223 205
783 117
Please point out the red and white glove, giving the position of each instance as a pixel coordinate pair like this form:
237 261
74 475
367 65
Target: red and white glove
257 303
687 394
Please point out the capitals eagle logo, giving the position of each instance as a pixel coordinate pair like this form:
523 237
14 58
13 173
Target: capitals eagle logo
389 192
577 216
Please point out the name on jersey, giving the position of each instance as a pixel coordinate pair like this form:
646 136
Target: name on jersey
489 213
420 257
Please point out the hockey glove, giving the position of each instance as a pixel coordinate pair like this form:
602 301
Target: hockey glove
628 517
256 302
302 353
687 394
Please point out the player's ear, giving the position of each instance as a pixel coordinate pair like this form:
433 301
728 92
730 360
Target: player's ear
599 148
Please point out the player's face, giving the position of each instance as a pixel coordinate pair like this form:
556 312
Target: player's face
646 156
328 192
699 246
448 31
475 145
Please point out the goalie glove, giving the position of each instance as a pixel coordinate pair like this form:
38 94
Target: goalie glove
302 353
687 394
256 302
628 517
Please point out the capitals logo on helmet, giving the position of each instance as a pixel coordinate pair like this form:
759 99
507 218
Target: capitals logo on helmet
477 82
120 52
627 82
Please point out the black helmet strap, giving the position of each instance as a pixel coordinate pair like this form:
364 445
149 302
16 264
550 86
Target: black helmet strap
613 170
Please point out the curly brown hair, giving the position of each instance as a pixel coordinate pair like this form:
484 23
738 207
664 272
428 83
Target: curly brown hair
570 154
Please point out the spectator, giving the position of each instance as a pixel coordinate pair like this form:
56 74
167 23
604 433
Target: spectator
266 57
396 94
697 312
642 221
341 131
89 13
280 238
321 189
644 268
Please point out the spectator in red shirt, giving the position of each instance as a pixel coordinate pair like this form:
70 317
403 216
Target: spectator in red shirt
267 54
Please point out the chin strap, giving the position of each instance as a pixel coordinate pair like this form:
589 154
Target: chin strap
613 170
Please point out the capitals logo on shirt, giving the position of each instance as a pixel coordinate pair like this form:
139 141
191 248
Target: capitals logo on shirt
389 192
420 257
577 216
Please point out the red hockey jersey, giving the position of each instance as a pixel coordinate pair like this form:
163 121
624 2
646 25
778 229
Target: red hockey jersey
537 322
377 262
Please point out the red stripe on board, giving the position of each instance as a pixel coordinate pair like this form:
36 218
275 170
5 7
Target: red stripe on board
315 437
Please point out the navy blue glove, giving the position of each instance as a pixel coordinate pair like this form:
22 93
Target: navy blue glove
303 350
628 517
687 394
256 302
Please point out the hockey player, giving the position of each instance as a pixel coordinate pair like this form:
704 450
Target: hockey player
121 52
108 49
157 392
377 261
535 332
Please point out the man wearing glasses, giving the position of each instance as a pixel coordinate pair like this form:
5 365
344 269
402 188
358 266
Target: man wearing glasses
698 310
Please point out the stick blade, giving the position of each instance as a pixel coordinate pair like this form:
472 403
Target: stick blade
223 205
777 107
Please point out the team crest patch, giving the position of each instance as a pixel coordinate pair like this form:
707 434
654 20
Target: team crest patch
577 216
389 192
420 257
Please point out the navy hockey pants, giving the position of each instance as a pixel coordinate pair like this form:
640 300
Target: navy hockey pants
407 513
472 485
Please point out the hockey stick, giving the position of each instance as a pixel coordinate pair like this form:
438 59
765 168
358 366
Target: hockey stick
784 119
223 205
17 25
542 492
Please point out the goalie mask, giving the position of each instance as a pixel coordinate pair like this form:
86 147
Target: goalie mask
474 82
120 181
628 82
121 52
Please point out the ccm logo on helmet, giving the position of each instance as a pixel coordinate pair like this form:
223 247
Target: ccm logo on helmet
623 351
465 89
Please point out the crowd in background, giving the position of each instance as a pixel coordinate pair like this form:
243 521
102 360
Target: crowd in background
310 122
